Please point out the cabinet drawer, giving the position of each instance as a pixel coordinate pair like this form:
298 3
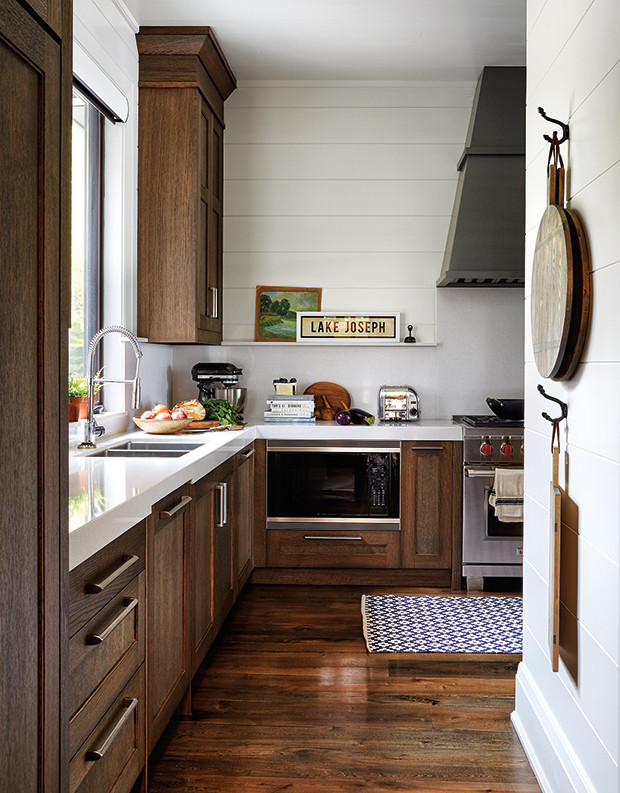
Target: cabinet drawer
103 655
332 548
97 580
113 754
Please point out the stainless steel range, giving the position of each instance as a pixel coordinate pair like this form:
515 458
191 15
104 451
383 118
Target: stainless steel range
491 548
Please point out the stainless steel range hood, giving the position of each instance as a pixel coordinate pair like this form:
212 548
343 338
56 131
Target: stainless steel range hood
486 239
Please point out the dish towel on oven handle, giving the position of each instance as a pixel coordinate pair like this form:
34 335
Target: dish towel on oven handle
506 497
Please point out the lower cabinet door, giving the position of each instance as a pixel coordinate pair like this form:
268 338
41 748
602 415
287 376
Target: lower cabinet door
113 755
339 549
223 590
201 551
167 582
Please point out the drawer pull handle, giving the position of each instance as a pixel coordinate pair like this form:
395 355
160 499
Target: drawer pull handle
222 489
130 704
350 539
168 513
99 586
97 638
249 454
427 448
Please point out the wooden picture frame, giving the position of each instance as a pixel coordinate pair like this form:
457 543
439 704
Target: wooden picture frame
281 325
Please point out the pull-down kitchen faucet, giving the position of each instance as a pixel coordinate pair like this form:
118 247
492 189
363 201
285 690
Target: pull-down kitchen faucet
91 428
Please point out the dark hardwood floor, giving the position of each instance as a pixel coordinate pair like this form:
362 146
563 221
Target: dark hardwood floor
289 700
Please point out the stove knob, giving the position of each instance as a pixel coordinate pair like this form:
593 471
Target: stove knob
486 448
507 449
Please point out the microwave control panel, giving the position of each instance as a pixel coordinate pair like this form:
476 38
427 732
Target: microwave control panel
379 482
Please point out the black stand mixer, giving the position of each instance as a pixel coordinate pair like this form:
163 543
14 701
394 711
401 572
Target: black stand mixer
219 381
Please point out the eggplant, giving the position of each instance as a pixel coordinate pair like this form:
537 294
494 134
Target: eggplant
361 416
343 417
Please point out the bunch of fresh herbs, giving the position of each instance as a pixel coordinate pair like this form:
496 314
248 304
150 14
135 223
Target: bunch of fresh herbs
222 411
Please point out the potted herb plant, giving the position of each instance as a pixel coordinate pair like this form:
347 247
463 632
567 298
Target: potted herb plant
78 393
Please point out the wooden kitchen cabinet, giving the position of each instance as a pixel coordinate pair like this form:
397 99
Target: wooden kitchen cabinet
107 691
35 161
184 80
243 516
223 542
169 663
430 503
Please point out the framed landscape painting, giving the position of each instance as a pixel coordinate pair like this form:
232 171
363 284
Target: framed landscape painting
277 307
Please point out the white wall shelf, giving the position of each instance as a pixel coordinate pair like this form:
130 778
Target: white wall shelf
299 345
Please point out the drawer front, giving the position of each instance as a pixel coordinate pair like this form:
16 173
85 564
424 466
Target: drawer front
103 655
338 549
97 580
113 755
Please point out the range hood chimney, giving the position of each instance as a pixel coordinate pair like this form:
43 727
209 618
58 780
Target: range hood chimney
486 239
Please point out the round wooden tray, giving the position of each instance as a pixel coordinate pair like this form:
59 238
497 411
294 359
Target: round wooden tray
552 291
560 293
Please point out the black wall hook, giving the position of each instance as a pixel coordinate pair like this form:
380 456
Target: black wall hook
554 121
562 405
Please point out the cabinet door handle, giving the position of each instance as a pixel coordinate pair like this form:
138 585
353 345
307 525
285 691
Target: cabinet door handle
427 448
98 638
130 704
98 586
350 539
222 489
248 454
168 513
214 305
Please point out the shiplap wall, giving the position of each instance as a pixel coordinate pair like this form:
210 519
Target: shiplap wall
348 187
569 721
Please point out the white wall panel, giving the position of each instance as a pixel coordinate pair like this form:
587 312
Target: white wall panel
350 187
341 161
549 37
597 205
603 338
395 269
335 233
570 720
347 125
320 197
352 94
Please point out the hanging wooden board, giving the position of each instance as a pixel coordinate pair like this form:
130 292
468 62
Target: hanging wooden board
555 509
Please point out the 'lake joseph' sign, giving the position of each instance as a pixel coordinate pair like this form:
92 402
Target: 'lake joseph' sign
319 326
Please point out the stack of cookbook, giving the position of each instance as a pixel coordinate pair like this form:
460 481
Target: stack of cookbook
290 409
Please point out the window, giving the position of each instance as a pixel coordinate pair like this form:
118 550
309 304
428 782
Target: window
86 225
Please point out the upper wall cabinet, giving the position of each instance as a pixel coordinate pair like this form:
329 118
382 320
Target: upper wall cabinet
184 81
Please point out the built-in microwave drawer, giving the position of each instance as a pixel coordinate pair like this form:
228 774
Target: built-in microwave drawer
337 549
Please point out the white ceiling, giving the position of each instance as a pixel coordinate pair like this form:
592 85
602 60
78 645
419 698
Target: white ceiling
353 39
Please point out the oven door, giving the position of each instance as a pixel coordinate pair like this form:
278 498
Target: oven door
487 540
332 485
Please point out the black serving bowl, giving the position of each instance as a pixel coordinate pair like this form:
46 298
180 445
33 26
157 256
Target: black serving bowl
509 409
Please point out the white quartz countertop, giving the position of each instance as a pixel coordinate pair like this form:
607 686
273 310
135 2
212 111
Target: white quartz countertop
109 495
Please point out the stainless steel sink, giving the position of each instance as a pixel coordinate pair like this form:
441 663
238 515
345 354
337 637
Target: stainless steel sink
147 449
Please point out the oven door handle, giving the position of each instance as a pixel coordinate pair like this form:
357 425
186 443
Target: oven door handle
480 472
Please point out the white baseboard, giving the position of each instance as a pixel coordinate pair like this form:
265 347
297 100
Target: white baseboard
544 742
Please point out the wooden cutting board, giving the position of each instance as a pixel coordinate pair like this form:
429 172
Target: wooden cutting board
329 398
555 510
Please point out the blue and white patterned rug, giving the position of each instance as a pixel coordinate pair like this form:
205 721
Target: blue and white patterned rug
433 624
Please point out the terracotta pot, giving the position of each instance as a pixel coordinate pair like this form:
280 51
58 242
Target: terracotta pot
77 408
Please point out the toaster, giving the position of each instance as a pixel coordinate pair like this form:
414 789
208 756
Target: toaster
398 403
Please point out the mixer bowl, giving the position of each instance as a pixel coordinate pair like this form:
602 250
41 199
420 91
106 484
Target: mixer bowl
236 396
